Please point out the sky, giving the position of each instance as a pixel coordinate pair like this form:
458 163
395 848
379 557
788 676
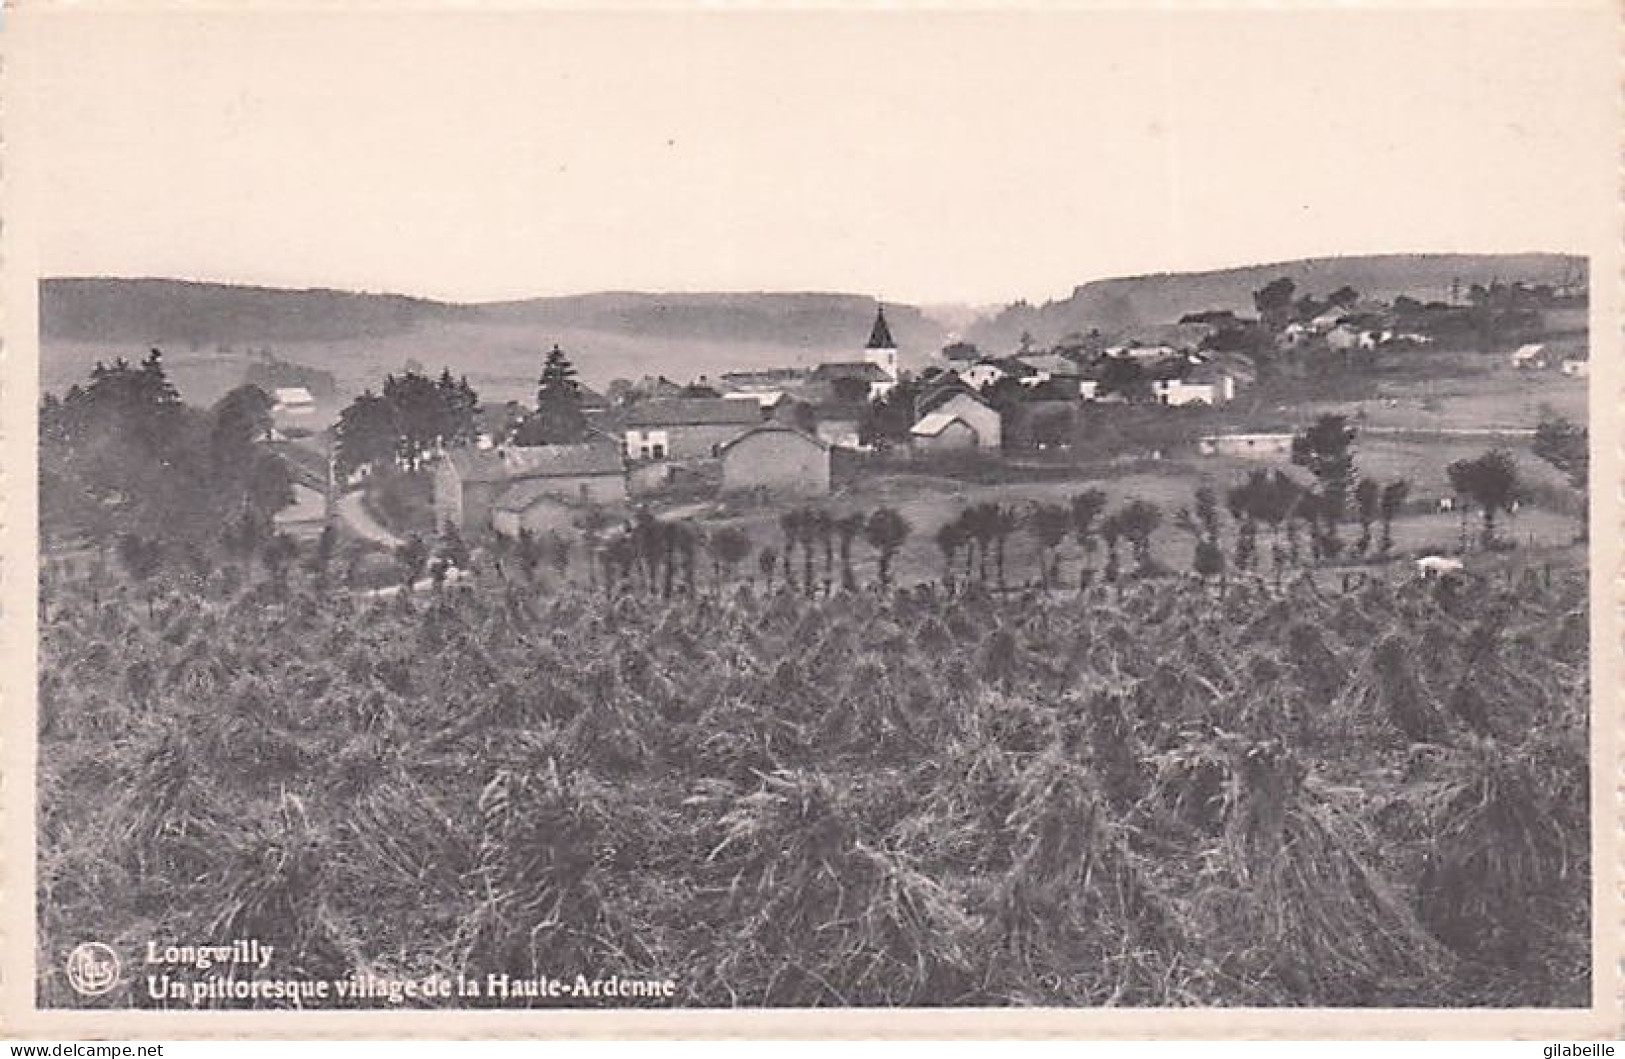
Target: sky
924 156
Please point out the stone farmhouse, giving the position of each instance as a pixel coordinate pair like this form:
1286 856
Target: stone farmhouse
471 485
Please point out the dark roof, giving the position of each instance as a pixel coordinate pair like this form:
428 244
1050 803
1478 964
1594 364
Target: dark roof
769 378
944 391
535 461
690 411
880 334
861 370
523 492
1052 390
777 428
833 410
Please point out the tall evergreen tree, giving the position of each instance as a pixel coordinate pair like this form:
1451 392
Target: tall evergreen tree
558 419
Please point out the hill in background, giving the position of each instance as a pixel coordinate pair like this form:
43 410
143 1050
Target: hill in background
1135 301
499 345
221 331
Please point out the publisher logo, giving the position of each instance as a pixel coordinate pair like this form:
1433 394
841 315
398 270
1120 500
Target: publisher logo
93 969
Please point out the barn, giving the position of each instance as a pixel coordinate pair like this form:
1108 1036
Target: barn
982 419
776 458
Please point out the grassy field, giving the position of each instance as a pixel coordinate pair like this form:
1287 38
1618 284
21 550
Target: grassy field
1491 394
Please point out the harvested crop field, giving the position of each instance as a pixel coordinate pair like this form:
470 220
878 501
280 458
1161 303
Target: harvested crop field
1148 794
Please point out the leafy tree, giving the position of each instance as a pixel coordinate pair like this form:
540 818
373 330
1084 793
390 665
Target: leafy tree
1125 377
1049 525
412 554
949 537
242 418
793 526
1491 480
1326 449
1367 505
1138 521
890 419
1085 509
1247 504
1566 447
368 434
886 530
421 420
1111 531
1393 498
1002 521
728 547
1203 526
1274 302
559 419
820 529
460 409
767 560
320 561
847 529
451 547
529 553
1344 297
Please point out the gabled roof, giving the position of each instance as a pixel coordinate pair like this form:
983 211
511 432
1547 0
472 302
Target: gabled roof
880 334
862 370
293 395
535 461
774 427
947 391
936 423
690 411
1053 363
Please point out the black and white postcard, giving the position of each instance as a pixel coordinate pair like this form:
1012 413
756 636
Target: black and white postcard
1072 520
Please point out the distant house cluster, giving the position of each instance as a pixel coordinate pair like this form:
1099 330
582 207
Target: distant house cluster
1568 358
768 432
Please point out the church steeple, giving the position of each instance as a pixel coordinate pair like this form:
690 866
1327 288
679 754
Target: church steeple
882 351
880 334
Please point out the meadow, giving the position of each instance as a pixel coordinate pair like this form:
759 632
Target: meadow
1157 792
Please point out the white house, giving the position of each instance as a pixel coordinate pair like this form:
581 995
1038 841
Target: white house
1532 355
294 401
981 374
1205 389
1328 320
1296 334
1578 368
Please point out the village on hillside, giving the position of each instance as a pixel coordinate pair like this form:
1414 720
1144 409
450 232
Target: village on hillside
759 438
